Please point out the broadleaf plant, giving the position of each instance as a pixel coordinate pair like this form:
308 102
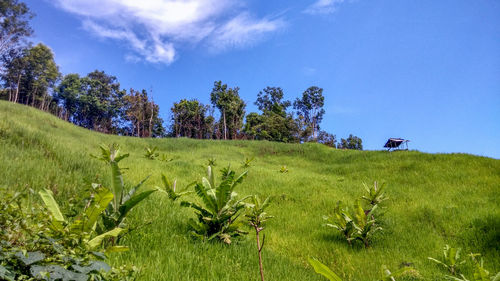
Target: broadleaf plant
217 215
451 259
169 187
123 200
151 153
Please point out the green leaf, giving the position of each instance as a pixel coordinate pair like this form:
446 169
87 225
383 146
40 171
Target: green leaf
116 185
132 202
5 274
30 257
99 203
51 204
322 269
96 242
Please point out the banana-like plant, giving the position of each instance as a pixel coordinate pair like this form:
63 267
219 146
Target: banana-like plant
374 194
256 218
322 269
342 221
391 276
480 273
451 259
246 163
164 158
217 217
123 201
169 188
212 161
283 169
84 227
364 223
151 153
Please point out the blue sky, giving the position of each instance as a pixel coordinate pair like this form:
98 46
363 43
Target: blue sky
424 70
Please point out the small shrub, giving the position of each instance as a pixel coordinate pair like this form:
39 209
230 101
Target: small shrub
480 273
357 225
374 194
164 158
451 259
256 218
33 248
246 163
212 162
217 217
283 169
151 153
123 200
342 221
170 187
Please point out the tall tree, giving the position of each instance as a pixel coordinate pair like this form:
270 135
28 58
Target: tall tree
310 108
352 142
33 75
143 114
190 119
100 104
14 25
231 107
270 99
68 92
274 124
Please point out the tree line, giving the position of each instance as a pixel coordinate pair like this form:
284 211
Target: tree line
30 76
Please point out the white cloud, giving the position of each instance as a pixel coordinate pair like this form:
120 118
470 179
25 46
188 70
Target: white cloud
243 30
153 29
323 7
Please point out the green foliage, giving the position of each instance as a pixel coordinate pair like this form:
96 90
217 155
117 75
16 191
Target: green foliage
256 218
322 269
41 151
36 246
374 194
218 216
480 273
364 223
283 169
352 142
356 225
212 162
342 221
451 259
256 212
231 108
151 153
123 201
190 118
246 163
170 189
391 276
84 226
164 158
274 124
310 108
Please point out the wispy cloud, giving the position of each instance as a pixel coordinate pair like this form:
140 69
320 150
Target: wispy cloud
154 29
323 7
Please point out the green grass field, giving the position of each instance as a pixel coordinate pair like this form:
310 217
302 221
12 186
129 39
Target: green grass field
435 199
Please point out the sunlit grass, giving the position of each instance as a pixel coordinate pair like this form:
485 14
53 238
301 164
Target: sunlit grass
435 199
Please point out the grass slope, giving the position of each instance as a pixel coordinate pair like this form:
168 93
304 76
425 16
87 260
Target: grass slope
434 200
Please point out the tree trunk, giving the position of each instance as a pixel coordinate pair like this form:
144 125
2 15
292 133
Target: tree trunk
225 127
259 248
17 88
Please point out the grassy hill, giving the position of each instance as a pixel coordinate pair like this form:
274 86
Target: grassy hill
435 199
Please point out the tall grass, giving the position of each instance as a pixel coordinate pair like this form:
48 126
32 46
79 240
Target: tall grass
435 199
